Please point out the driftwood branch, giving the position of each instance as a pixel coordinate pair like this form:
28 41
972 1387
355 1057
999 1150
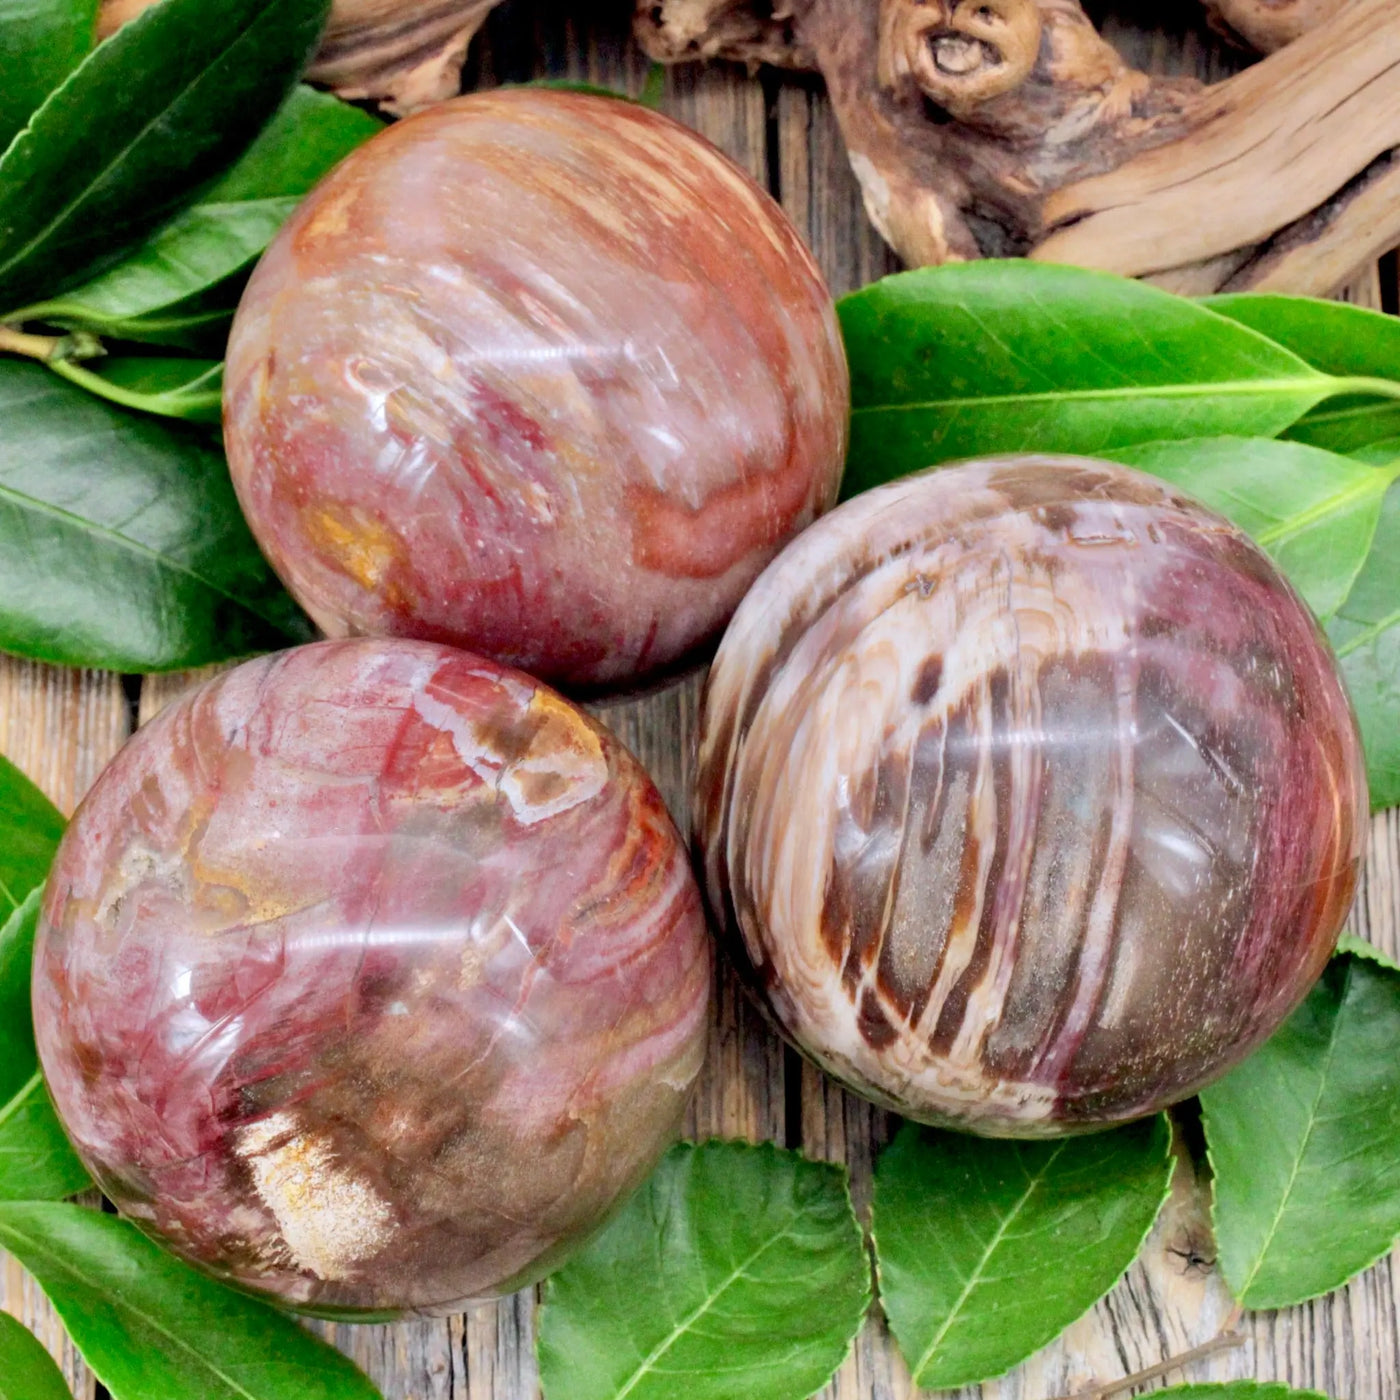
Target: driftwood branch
1004 127
402 54
1270 24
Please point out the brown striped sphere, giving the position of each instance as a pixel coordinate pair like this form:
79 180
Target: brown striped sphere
1028 794
371 977
540 374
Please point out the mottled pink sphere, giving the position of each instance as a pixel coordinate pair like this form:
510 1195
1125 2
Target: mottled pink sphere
1029 795
370 976
537 373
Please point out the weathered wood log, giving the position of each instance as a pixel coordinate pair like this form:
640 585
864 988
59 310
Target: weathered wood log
982 128
1270 24
401 54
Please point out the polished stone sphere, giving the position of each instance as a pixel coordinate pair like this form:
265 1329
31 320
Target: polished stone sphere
1029 795
370 976
537 373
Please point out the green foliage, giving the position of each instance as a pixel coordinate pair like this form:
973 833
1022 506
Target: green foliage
174 284
121 541
41 42
1304 1140
735 1273
1315 512
27 1371
1365 633
1337 339
171 388
30 826
995 357
1238 1390
36 1162
164 104
988 1249
152 1328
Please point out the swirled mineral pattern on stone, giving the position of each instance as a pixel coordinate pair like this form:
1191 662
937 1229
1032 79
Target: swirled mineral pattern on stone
370 976
538 373
1028 794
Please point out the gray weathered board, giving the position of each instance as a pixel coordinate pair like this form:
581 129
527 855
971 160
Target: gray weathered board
62 726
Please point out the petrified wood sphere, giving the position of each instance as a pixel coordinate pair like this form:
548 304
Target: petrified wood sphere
370 976
1029 795
537 373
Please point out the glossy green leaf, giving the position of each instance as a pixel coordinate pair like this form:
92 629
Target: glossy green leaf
179 388
736 1273
1237 1390
152 1328
17 1059
27 1371
1332 336
121 541
1351 423
30 826
1380 453
1315 512
310 135
1365 633
1337 339
149 294
1362 948
1304 1141
36 1162
41 42
162 106
988 357
989 1249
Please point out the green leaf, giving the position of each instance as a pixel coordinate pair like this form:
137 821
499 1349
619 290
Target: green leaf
1304 1140
653 91
1332 336
27 1371
736 1273
1350 424
152 1328
30 826
1237 1390
989 1249
121 542
1315 512
989 357
18 1062
1361 948
1337 339
41 42
1379 454
310 135
163 105
1365 633
180 388
235 219
36 1162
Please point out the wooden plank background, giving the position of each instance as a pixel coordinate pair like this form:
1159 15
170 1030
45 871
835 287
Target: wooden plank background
62 726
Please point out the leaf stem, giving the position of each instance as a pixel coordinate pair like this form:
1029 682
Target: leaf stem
1225 1342
35 347
50 349
1360 384
189 401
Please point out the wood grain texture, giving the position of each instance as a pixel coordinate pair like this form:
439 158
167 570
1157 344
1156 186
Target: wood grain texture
62 726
